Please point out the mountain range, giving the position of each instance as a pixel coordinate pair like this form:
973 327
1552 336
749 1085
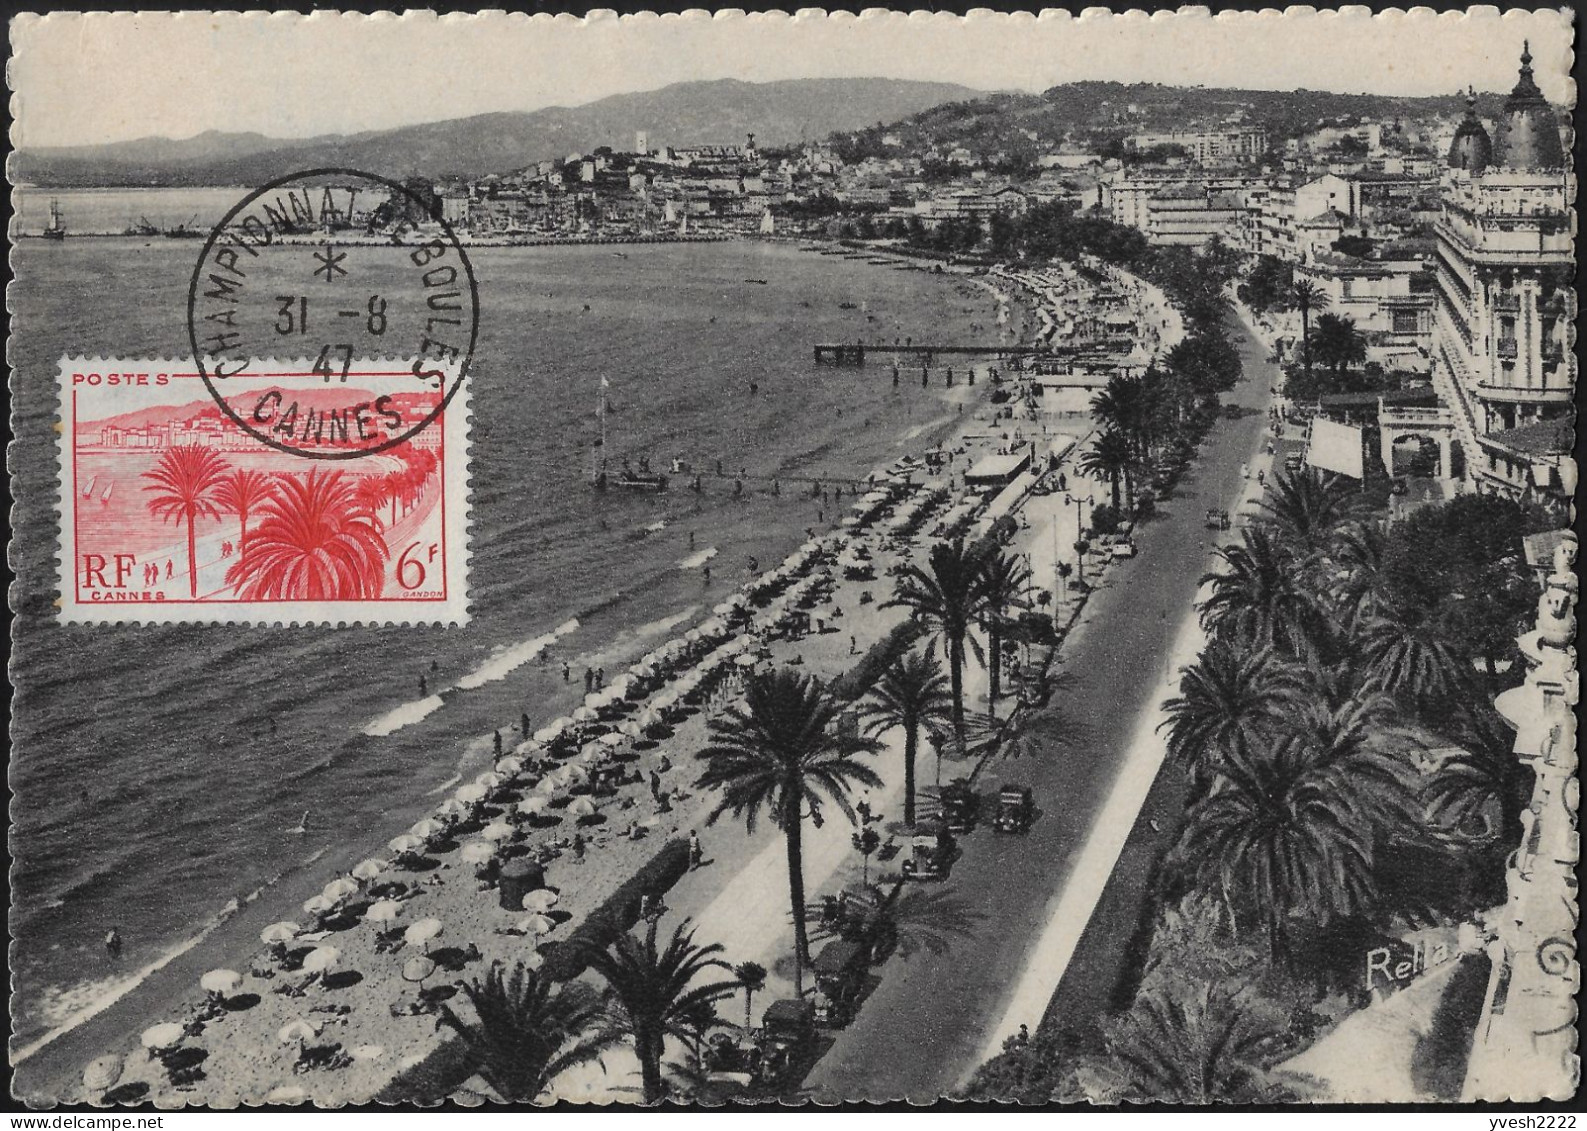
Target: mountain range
720 112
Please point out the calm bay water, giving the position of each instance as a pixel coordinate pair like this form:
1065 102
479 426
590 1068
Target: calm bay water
115 210
160 770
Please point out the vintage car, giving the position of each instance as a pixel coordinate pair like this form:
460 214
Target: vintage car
788 1041
840 976
930 854
1016 809
861 913
959 805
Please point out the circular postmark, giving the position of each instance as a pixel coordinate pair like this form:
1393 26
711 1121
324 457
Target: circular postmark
342 269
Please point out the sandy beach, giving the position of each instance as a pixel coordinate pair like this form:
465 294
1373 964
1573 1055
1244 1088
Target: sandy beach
346 999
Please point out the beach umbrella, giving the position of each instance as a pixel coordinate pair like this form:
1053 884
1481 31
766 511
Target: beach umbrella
167 1034
405 844
451 810
533 960
418 968
339 889
541 899
318 905
573 774
297 1031
425 828
548 785
547 734
584 715
591 750
616 738
723 609
744 660
536 925
630 729
533 806
471 794
369 869
496 830
279 934
321 959
560 724
423 931
582 807
383 911
509 766
490 779
102 1073
595 700
221 981
286 1094
478 851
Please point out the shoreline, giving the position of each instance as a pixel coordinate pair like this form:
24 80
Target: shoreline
234 930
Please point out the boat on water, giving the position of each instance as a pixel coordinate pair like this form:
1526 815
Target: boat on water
88 488
628 478
56 228
187 231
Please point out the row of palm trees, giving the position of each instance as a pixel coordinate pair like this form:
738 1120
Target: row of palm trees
1297 722
319 536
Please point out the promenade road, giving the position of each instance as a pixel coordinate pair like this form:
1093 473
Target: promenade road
925 1026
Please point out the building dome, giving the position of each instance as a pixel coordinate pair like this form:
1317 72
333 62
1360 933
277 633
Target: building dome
1528 130
1471 150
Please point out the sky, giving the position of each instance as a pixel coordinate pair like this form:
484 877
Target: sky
82 79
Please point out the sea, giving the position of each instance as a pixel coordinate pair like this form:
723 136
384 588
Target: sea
168 777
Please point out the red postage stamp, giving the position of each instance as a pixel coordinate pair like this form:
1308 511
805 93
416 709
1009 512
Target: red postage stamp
175 509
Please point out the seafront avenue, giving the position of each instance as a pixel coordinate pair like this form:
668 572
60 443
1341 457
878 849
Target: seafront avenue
926 1026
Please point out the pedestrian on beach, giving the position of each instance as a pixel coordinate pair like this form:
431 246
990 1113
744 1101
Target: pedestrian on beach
113 943
496 741
696 853
853 646
707 572
691 539
523 724
424 688
578 848
655 786
567 672
600 678
589 680
169 569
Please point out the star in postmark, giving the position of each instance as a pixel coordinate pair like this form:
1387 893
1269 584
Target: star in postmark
330 262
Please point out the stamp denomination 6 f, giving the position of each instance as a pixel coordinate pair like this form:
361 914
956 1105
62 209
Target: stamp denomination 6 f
173 511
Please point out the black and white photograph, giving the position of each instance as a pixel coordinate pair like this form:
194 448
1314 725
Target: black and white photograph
767 561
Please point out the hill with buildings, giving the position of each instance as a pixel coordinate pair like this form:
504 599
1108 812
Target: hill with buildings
697 113
1100 117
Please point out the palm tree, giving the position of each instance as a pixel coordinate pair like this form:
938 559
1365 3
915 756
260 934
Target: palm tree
1339 344
1308 296
752 979
1289 833
372 493
911 693
1109 457
1228 701
651 991
946 595
190 480
782 752
1359 558
241 492
1257 598
1480 792
1201 1044
1003 579
1124 406
1408 657
1307 506
526 1030
318 541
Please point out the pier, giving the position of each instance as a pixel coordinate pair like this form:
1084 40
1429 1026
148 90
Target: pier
852 354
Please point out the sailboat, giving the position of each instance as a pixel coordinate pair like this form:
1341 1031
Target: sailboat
88 488
56 228
104 500
641 480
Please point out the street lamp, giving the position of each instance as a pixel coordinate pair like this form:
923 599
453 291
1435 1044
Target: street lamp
1080 529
